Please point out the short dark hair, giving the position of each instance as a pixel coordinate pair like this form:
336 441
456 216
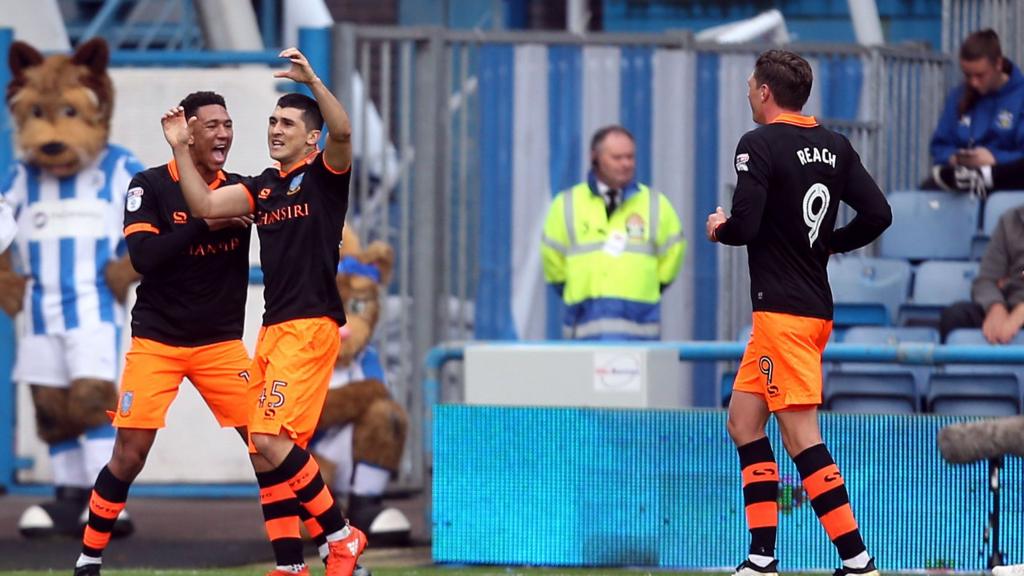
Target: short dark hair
606 131
310 109
982 44
196 100
787 75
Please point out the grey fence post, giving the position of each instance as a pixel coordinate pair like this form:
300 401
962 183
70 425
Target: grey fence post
344 62
430 135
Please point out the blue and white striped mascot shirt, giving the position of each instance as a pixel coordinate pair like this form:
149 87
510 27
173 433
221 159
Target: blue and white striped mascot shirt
69 229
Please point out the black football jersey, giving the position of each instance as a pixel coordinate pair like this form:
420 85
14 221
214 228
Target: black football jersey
791 176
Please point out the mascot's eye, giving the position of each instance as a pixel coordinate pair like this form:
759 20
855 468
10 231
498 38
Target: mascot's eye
37 112
69 111
356 306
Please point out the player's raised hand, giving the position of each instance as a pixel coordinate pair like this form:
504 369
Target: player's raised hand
177 131
715 219
300 70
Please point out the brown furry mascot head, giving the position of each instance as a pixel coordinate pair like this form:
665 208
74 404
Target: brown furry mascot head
61 105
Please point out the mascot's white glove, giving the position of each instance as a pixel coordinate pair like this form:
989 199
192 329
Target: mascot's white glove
8 227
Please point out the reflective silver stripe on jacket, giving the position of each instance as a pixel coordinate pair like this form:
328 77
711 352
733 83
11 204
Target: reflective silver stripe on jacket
611 326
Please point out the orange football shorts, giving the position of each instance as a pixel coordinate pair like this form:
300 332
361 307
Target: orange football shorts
782 362
291 373
153 371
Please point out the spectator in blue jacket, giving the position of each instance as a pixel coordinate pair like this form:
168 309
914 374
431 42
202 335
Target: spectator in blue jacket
981 122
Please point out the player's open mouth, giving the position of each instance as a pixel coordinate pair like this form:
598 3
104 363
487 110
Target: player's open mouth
219 154
276 143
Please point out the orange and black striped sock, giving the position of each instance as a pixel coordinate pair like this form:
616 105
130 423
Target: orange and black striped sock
760 495
827 490
109 495
316 533
281 517
304 478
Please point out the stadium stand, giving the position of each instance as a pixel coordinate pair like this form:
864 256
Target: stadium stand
868 291
891 336
893 392
937 284
995 205
919 215
974 394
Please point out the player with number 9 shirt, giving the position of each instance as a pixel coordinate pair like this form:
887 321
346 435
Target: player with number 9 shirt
791 175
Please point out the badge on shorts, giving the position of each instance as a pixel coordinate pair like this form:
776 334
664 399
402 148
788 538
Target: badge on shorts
134 199
126 403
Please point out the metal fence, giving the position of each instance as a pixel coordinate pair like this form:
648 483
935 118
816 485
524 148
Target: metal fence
1006 17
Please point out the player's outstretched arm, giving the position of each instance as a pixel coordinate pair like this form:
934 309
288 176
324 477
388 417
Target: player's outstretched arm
338 151
230 201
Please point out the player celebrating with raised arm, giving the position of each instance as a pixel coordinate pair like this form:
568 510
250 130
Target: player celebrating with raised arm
299 210
791 175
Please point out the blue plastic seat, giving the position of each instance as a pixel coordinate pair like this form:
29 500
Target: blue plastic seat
974 394
998 203
892 336
870 392
937 284
868 291
930 226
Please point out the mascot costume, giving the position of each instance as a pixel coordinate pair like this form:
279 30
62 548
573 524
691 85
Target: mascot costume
362 430
68 270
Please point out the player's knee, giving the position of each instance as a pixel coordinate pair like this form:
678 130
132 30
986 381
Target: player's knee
741 432
89 401
130 452
51 411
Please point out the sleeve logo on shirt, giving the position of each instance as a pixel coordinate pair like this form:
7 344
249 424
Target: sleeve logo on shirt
741 162
179 217
134 201
264 193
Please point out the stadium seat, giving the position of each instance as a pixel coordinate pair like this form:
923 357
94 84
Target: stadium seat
870 392
891 337
937 284
974 394
996 204
868 291
930 225
978 245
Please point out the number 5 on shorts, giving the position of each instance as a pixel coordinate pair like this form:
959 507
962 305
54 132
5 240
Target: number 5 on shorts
278 398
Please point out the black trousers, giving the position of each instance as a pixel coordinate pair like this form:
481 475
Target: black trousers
961 315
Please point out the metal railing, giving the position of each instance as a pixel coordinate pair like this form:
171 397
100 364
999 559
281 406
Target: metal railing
1006 17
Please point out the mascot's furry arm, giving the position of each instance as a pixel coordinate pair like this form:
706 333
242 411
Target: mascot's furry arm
12 286
120 275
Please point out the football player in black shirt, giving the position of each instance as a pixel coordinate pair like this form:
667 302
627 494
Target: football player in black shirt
791 175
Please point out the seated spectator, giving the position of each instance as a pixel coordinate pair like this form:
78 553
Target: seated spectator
980 180
981 121
997 294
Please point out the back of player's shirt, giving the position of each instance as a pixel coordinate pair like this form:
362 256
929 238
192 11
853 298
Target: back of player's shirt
791 177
